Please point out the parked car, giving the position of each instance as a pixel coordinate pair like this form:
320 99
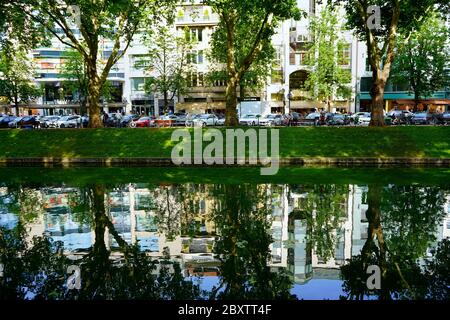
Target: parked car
365 119
28 122
220 120
5 120
205 120
354 117
128 120
424 118
250 119
68 122
49 122
315 119
446 117
190 119
167 121
143 122
271 120
14 122
85 121
181 119
113 120
400 116
338 119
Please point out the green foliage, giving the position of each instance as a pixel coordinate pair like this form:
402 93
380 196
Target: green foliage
257 74
324 212
248 28
423 61
16 82
403 222
75 76
167 62
243 221
327 77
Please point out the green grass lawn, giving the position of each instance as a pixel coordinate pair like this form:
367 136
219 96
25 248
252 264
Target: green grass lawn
88 176
294 142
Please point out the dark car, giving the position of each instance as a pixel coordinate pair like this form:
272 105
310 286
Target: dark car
128 119
84 121
4 121
28 122
420 118
113 120
425 118
338 120
14 122
446 117
315 119
400 116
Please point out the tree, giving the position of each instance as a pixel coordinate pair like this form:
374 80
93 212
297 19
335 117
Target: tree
380 32
242 218
168 63
16 82
327 77
76 79
257 20
260 69
115 21
423 61
402 224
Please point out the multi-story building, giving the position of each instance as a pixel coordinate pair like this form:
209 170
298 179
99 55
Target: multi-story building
283 91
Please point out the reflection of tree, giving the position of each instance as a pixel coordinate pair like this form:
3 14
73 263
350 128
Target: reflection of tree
31 270
241 218
324 210
27 203
41 267
402 225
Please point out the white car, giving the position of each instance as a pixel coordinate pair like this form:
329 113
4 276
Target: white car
271 120
205 120
250 119
68 122
355 116
364 119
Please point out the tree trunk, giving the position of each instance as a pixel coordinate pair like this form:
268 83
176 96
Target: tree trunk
231 103
241 91
166 102
377 93
416 101
94 88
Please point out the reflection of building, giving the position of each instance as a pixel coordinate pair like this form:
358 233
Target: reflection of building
134 211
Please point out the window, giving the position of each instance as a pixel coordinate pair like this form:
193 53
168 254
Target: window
195 57
137 84
277 76
344 55
196 79
140 62
368 66
195 34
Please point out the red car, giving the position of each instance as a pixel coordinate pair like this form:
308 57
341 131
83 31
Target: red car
144 122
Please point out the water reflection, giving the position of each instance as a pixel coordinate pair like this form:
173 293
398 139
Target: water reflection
223 241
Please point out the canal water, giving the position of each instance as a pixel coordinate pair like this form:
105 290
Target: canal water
102 239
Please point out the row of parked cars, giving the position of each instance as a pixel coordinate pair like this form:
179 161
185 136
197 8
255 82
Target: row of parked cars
32 122
394 117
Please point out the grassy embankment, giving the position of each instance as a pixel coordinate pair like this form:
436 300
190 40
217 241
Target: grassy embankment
417 142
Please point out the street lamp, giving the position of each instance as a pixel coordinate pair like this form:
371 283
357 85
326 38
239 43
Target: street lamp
289 96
